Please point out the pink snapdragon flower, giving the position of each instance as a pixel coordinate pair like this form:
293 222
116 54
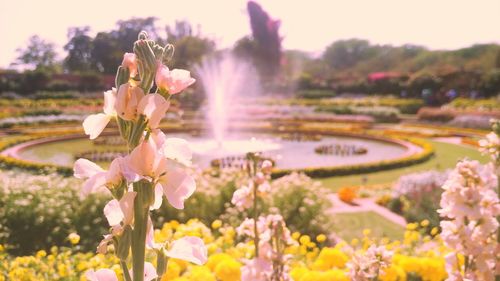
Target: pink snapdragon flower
154 107
130 62
97 177
103 274
147 162
174 81
117 212
94 124
257 269
188 248
127 100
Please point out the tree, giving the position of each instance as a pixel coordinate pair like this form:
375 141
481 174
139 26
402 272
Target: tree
266 51
189 48
346 53
79 48
38 54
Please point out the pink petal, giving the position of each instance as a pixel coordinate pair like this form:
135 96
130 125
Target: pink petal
150 237
113 212
130 61
103 274
149 272
127 99
178 149
102 248
94 124
190 249
127 207
179 187
84 168
154 106
162 74
143 157
114 174
93 183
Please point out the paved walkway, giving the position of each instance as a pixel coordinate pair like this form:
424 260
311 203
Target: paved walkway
364 205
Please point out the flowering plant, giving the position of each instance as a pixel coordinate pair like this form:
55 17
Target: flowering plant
155 167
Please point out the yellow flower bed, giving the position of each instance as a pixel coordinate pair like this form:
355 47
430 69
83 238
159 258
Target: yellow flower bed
417 255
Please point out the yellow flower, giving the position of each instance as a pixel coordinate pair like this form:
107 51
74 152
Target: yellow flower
41 254
366 232
393 273
215 259
434 231
321 238
201 273
216 224
329 258
296 235
412 226
424 223
228 270
74 238
304 239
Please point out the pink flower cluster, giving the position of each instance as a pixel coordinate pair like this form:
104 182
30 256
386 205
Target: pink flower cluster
491 146
369 265
243 197
274 236
470 206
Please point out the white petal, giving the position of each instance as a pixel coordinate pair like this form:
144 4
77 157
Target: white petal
158 197
94 124
84 168
178 149
113 212
127 207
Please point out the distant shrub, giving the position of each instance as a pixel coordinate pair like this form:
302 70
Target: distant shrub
435 114
347 194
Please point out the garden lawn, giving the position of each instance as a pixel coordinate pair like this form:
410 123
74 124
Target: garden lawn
446 156
351 225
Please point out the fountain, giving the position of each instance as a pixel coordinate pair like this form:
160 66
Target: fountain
223 78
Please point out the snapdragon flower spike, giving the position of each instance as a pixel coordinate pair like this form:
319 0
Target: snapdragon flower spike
146 162
97 177
172 81
188 248
103 274
94 124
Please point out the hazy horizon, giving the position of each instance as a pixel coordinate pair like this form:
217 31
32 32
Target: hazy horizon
308 26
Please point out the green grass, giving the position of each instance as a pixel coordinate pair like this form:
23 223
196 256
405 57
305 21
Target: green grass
446 156
351 225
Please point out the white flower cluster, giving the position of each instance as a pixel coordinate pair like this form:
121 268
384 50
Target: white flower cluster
491 146
470 205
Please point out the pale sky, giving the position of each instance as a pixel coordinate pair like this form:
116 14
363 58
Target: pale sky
309 25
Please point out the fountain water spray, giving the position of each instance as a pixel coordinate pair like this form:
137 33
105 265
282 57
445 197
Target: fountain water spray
224 78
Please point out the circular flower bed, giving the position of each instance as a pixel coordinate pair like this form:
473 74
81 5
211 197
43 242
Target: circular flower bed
341 149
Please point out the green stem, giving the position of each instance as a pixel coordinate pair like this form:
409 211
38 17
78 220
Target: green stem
126 274
141 213
255 215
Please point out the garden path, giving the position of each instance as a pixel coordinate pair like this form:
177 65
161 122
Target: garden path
364 205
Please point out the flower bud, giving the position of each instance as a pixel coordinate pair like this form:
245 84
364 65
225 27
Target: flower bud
122 76
143 35
124 243
161 262
168 53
